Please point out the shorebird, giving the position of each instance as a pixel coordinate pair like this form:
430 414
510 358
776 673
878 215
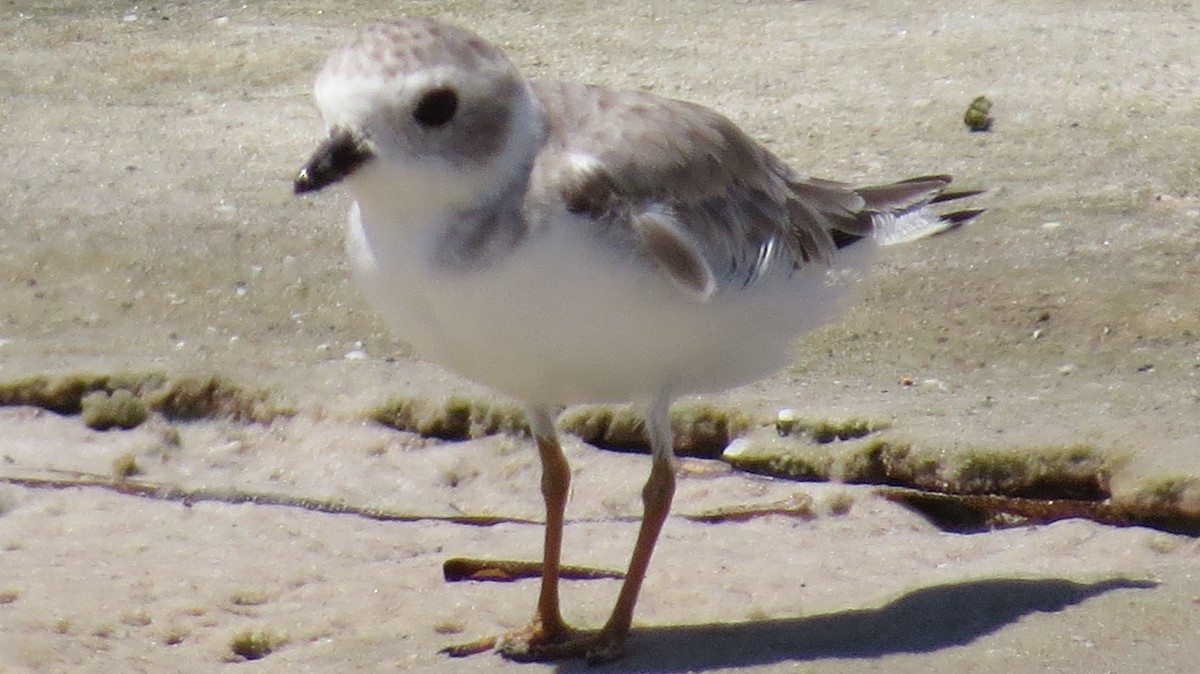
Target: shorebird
564 243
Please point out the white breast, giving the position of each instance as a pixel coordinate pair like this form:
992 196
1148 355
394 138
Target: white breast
563 320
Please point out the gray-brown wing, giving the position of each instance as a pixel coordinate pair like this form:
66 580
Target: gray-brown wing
707 203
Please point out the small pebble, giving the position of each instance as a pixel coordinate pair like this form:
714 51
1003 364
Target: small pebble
785 421
736 448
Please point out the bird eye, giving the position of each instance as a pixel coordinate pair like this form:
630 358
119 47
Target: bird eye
436 108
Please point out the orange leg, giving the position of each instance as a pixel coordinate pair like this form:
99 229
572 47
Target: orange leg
656 503
656 499
547 637
547 626
556 483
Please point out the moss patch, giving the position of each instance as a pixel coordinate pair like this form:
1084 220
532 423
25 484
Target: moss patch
978 116
61 394
175 635
126 466
792 459
800 457
1076 472
249 598
123 400
823 431
1181 493
256 644
201 397
1170 504
452 419
850 450
700 430
102 410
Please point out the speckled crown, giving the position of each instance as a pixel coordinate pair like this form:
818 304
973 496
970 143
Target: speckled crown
397 49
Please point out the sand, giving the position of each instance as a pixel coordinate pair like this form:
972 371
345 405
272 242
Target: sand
148 224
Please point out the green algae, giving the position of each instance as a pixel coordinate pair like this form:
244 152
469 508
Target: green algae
454 418
203 397
1074 471
700 429
126 466
978 116
853 450
122 409
824 431
124 400
257 644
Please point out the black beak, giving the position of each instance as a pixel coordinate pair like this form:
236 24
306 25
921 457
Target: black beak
337 157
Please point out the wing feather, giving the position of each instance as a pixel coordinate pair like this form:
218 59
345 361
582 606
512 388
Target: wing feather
620 155
624 157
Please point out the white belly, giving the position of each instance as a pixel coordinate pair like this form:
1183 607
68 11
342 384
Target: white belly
562 321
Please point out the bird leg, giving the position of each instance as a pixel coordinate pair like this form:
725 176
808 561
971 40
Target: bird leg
556 483
657 495
656 499
548 637
547 626
609 643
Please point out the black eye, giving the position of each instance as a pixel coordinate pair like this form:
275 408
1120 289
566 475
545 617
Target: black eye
436 108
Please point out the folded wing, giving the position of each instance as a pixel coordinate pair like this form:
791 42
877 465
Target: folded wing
706 204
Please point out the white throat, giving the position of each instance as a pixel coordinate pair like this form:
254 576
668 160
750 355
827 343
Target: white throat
415 196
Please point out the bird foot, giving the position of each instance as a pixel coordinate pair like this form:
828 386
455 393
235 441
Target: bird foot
535 643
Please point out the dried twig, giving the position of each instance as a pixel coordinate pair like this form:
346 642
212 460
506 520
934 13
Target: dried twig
797 505
458 569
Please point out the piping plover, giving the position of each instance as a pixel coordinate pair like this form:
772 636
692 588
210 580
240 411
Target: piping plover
565 243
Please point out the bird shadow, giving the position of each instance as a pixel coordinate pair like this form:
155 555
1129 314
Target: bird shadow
922 621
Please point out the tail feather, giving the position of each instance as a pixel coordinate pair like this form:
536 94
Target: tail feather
957 194
899 212
904 195
962 217
889 214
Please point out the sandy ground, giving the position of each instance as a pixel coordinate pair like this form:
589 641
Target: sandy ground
147 155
